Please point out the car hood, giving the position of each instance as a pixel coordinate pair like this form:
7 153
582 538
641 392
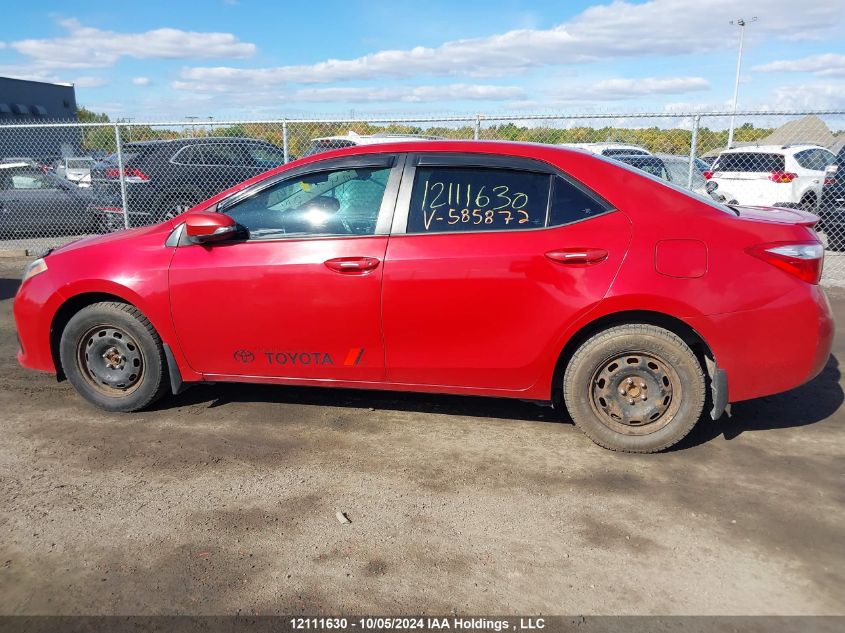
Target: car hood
117 236
780 215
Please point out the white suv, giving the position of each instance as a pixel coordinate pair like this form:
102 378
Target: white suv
610 149
772 175
327 143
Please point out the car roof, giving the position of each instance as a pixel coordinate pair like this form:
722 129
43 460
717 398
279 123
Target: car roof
189 141
18 164
639 157
778 149
384 137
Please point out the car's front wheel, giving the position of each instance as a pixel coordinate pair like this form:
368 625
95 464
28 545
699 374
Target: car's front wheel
635 388
113 357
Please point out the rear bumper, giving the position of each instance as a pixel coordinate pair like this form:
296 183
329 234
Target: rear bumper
774 348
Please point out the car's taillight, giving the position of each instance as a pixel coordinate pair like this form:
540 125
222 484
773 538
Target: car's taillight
129 172
802 259
707 175
782 176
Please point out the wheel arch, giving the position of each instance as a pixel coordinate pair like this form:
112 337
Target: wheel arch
65 313
677 326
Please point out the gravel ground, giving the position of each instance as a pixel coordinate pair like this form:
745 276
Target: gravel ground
223 500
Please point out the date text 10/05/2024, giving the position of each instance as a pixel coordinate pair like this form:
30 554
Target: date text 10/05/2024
419 623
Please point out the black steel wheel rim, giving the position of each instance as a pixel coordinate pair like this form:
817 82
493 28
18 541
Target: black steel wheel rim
110 360
635 393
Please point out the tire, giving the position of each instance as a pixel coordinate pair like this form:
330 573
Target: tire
836 238
113 357
172 206
808 203
616 407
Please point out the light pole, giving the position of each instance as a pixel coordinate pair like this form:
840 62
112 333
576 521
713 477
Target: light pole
741 24
191 119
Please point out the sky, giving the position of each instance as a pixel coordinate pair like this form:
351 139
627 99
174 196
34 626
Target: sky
237 59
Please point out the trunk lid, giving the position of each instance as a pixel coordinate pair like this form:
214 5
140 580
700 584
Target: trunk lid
777 215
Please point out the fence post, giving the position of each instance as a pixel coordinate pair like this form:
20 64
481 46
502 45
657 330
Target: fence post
477 134
285 140
122 174
693 150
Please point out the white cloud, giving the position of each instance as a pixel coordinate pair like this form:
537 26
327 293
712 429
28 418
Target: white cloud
141 81
824 65
88 47
618 29
408 94
618 89
89 82
828 95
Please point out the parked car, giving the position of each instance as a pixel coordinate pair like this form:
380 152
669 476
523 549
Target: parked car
36 202
675 169
609 149
76 170
485 268
772 175
352 139
701 165
166 177
831 209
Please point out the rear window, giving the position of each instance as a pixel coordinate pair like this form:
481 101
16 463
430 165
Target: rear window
750 162
79 163
649 165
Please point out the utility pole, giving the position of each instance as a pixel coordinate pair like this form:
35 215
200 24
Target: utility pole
741 24
191 127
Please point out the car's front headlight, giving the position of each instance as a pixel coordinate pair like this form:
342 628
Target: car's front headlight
35 268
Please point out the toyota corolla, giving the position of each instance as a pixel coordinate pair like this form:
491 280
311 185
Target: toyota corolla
478 268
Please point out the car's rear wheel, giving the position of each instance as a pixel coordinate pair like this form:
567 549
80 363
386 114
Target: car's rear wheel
635 388
113 357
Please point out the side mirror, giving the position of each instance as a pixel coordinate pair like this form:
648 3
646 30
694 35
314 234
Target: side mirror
206 228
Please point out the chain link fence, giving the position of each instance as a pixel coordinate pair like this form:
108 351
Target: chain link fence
59 181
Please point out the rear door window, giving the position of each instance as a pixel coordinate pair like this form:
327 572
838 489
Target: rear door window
750 162
452 199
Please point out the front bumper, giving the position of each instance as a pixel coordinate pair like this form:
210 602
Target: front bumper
34 307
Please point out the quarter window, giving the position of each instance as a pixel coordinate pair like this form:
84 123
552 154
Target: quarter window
342 202
572 202
222 154
448 199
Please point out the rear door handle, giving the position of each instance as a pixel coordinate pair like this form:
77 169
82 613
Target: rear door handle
577 256
352 265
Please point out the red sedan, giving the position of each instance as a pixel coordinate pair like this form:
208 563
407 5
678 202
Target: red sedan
480 268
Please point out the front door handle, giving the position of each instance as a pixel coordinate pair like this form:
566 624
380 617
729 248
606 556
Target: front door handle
577 256
352 265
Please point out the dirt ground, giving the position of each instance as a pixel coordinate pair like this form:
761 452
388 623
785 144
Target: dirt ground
223 500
